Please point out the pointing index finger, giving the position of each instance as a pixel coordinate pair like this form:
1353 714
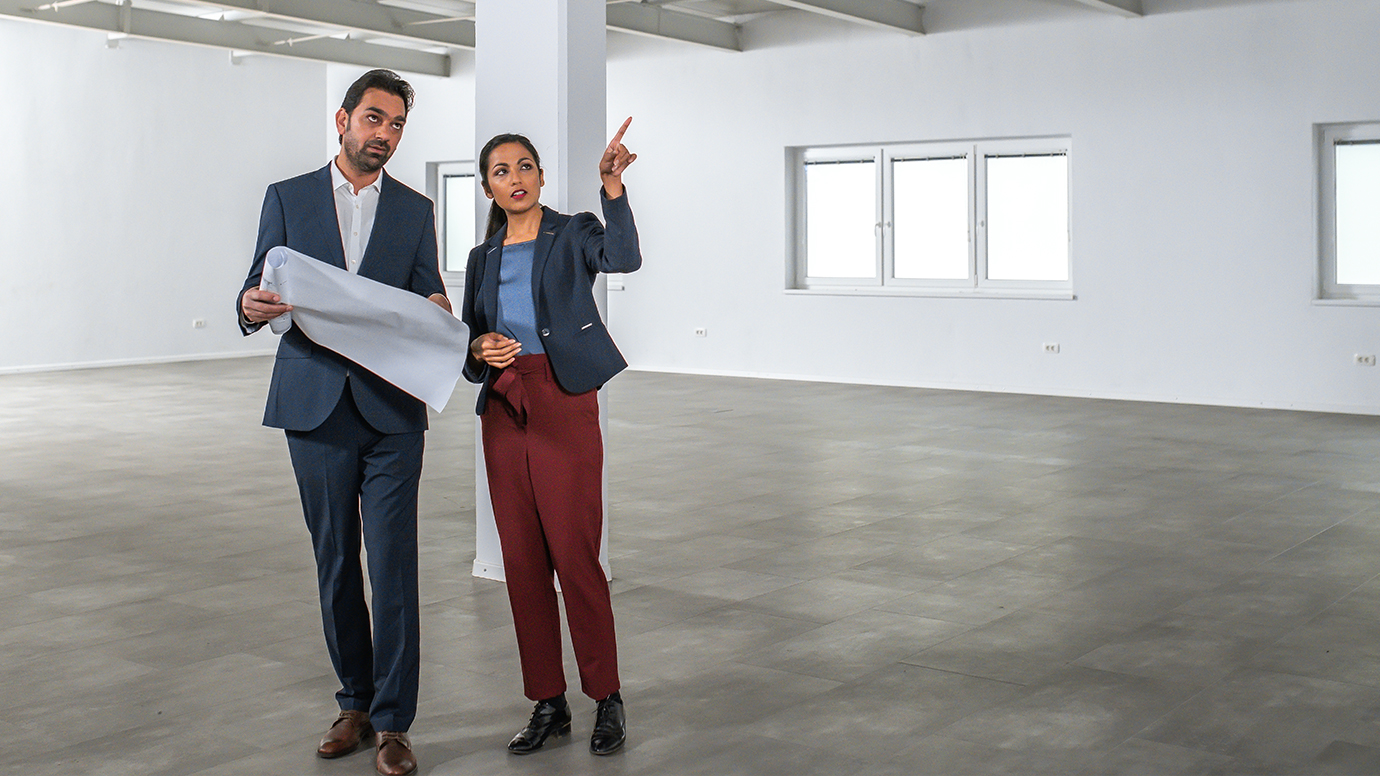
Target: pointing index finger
618 138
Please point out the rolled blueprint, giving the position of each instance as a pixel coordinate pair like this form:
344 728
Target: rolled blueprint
273 282
400 336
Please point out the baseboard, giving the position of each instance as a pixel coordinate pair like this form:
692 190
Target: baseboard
1328 407
147 361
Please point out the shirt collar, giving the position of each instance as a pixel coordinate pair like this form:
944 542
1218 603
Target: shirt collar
338 179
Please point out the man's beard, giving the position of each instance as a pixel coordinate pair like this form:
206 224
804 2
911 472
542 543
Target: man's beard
367 162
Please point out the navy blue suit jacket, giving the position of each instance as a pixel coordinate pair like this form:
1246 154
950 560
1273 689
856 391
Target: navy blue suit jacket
570 253
308 380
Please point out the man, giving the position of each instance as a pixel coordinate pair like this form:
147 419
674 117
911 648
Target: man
355 440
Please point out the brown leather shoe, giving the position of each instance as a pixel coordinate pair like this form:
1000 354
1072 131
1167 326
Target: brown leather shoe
395 754
345 736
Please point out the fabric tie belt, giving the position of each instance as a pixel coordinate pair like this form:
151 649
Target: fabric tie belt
509 385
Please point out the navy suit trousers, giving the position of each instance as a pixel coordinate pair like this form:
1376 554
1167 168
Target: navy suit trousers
356 481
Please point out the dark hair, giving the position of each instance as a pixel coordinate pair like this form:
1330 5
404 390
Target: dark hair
497 218
386 80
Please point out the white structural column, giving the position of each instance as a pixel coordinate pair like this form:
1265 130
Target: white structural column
540 72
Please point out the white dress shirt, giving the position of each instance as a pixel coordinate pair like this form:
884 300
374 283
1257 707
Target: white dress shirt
355 214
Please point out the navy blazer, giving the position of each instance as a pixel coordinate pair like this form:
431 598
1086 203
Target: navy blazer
308 379
570 253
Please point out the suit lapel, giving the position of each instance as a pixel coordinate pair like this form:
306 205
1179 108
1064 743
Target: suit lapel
546 238
493 261
330 222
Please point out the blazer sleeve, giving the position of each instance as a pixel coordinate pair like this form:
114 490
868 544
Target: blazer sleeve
426 269
475 371
611 248
272 233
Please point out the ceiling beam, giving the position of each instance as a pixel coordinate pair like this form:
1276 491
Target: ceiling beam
364 17
1128 8
886 14
227 35
641 19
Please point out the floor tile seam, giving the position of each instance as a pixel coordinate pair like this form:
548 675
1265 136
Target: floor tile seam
1211 686
129 637
96 694
68 646
70 742
816 623
1359 513
1305 541
1221 681
877 607
1095 769
906 661
1321 613
744 661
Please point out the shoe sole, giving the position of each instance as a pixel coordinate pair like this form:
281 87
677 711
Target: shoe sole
564 730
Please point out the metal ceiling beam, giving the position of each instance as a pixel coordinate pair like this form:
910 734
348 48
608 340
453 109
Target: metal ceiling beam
641 19
365 17
1128 8
228 35
887 14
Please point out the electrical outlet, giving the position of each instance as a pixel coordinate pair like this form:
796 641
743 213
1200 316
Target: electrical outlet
1361 359
701 332
1051 347
198 323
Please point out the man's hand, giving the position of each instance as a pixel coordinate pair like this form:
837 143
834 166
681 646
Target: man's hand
259 305
441 302
495 349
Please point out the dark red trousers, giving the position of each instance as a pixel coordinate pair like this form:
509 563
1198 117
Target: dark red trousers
545 457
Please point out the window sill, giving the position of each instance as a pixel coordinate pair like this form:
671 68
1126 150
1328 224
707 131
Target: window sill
1347 302
1062 294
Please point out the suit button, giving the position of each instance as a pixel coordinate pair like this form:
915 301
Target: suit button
546 332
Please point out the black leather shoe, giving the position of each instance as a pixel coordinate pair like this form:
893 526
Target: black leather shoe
548 719
610 726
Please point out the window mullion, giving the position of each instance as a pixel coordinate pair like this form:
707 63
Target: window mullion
977 187
886 213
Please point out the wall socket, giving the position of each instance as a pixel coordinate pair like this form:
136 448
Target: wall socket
1361 359
703 332
200 323
1051 347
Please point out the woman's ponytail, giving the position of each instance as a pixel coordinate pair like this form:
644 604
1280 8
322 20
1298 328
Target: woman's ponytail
497 220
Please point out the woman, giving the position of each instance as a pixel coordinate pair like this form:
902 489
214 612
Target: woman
541 353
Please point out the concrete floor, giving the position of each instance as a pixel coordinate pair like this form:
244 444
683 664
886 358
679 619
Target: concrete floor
811 579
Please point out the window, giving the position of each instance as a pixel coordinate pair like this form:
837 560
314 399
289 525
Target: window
1349 193
984 218
453 187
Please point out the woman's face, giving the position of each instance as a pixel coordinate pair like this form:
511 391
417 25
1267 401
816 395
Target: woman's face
514 180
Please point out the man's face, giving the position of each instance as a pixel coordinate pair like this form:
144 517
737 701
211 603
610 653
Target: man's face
370 134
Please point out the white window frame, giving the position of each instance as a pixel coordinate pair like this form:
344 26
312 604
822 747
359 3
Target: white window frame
437 172
1328 136
837 156
884 281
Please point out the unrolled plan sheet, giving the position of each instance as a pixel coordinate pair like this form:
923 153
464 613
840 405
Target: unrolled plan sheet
404 338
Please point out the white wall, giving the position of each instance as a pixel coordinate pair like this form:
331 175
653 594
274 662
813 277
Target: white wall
1193 208
1193 215
131 196
140 174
